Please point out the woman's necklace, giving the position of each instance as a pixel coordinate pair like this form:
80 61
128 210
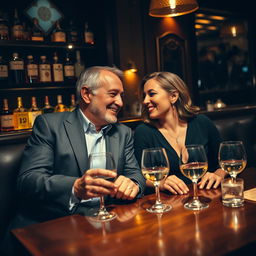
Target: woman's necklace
176 138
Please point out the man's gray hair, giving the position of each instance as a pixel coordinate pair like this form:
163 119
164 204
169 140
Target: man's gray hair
91 78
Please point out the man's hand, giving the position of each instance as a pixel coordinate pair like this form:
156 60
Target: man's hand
91 185
126 188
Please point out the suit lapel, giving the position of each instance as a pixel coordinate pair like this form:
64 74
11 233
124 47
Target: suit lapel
76 137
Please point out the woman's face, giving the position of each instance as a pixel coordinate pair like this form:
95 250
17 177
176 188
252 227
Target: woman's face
156 100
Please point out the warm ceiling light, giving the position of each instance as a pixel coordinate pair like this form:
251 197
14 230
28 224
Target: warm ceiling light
212 27
200 15
132 67
203 21
198 26
233 29
215 17
172 8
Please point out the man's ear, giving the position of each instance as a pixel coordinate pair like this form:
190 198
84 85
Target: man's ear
85 94
174 97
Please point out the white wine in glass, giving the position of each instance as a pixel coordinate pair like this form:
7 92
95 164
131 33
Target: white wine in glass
232 157
103 160
155 167
193 165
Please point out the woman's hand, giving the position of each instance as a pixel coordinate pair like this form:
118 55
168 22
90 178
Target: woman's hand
175 185
212 180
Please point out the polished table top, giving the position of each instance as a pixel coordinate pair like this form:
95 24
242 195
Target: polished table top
218 230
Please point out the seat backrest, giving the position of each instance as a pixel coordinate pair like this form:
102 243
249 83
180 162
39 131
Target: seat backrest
10 157
240 128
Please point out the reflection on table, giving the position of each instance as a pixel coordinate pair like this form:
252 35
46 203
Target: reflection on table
218 230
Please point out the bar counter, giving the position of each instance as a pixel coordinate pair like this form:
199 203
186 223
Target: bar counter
218 230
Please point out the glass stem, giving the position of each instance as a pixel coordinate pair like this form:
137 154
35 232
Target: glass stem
102 206
195 197
158 200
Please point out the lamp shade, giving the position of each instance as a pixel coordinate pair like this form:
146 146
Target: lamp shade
172 8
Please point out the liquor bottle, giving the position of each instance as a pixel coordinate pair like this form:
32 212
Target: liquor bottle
88 34
16 70
32 75
72 33
33 112
17 27
26 32
79 65
6 118
58 34
44 70
60 107
69 69
3 71
36 32
57 69
73 103
4 29
20 116
47 107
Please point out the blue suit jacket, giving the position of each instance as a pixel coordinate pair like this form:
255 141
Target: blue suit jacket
56 155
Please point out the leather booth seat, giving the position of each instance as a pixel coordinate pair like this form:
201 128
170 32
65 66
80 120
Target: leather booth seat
240 127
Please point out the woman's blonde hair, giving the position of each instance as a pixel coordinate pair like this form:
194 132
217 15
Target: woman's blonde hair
170 82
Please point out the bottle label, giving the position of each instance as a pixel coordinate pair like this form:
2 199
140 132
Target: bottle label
45 73
59 37
32 116
17 65
3 71
21 120
6 122
69 71
89 37
37 38
17 31
32 70
58 73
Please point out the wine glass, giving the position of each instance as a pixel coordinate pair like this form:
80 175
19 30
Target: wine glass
193 165
155 167
232 157
103 160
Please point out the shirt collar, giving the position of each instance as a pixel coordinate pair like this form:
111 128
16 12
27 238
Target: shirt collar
88 126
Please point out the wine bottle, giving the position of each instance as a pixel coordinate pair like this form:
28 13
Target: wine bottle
79 65
17 71
73 103
3 71
4 29
33 112
26 32
57 69
72 33
36 32
6 118
58 34
47 107
44 70
60 107
88 34
69 69
32 75
17 27
20 116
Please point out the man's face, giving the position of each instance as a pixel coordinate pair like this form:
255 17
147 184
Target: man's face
106 101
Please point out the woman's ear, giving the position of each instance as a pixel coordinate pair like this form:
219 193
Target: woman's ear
174 97
85 94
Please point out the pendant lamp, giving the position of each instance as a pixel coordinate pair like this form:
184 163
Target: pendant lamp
172 8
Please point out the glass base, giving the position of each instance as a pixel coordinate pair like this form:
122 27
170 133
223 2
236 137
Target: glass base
103 216
196 205
233 202
159 208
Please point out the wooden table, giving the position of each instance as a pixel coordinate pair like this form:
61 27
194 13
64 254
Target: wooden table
218 230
